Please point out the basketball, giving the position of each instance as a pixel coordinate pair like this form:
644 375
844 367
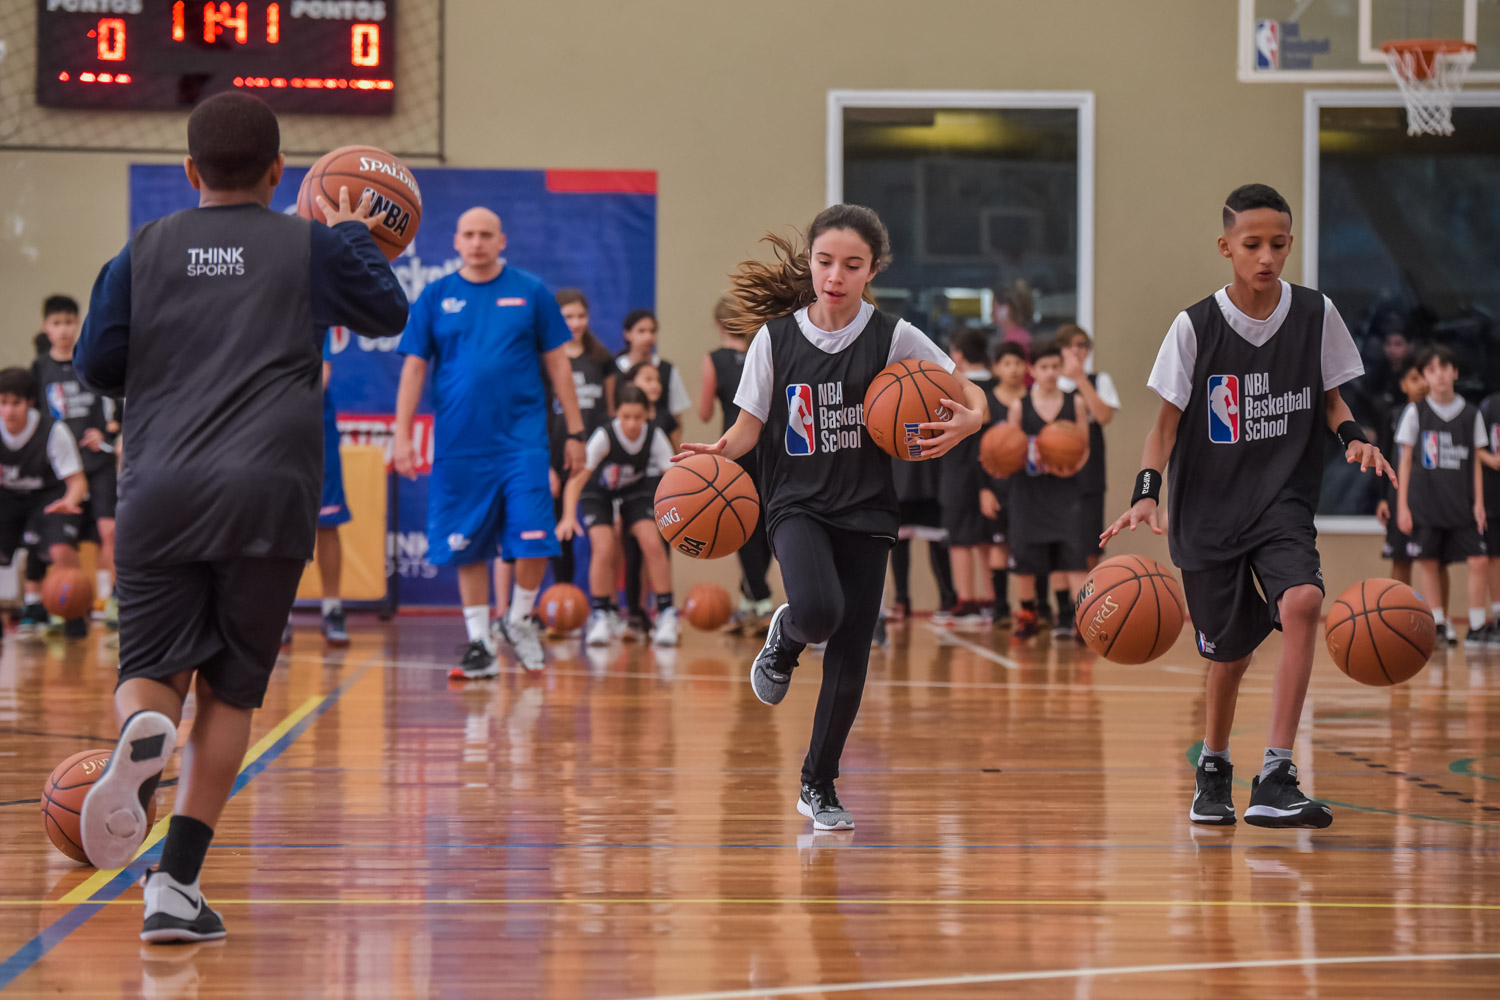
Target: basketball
1062 444
706 507
393 192
62 800
563 607
1002 450
902 396
1130 610
1380 632
707 607
68 593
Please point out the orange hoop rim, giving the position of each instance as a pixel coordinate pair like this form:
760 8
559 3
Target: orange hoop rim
1423 53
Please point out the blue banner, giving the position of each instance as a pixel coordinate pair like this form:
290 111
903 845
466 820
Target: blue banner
594 230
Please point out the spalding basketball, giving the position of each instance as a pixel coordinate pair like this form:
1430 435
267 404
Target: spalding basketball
62 800
394 195
902 396
563 607
1380 632
1130 610
1002 450
707 607
68 593
706 506
1062 445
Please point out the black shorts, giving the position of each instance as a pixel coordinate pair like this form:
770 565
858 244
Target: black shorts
103 487
24 521
1446 545
1231 615
1396 542
1492 539
595 509
966 525
1091 522
1041 558
222 618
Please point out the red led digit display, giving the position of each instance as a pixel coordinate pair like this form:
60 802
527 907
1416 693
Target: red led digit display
315 56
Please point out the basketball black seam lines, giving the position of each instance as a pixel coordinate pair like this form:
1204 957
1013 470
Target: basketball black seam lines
728 503
1156 638
1370 629
1378 611
1381 610
1098 595
64 834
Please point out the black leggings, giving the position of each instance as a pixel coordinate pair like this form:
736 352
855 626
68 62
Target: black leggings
834 581
755 563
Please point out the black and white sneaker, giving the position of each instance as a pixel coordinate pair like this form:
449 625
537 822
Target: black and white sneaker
113 819
478 663
525 640
1446 635
177 912
1477 638
771 673
335 630
1213 802
1277 802
820 803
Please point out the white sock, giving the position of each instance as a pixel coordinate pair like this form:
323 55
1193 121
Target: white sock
477 621
1476 618
33 597
332 605
1495 611
1439 615
104 584
1274 756
1206 752
522 602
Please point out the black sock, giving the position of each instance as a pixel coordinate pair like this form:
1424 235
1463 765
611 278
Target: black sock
663 602
602 603
1064 601
185 848
1000 580
1029 606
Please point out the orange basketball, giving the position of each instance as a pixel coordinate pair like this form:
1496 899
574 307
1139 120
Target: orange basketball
62 800
68 593
1002 450
902 396
706 506
1380 632
1130 609
707 607
563 607
394 195
1062 444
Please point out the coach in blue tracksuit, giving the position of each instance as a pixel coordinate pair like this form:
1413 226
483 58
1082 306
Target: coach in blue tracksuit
486 332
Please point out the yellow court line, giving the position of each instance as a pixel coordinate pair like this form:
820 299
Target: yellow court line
81 892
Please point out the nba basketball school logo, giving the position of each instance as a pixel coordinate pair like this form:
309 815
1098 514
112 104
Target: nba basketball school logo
801 430
1268 45
1430 449
57 401
1223 409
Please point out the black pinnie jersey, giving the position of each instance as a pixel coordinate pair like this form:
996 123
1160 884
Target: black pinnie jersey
26 465
729 365
1490 411
64 398
1043 507
1441 492
625 464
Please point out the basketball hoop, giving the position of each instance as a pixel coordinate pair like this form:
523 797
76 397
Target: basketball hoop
1430 72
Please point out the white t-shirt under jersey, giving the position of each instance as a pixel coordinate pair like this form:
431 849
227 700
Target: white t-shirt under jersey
1408 429
1103 385
1172 376
62 448
754 393
597 448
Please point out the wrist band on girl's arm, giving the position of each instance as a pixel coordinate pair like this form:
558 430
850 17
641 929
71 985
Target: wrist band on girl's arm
1147 486
1349 431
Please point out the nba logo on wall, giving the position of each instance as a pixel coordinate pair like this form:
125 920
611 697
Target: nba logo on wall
1268 45
1429 449
801 433
1223 409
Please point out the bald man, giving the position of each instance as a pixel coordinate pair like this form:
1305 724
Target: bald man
487 332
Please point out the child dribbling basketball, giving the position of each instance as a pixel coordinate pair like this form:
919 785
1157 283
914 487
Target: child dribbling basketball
1248 379
830 505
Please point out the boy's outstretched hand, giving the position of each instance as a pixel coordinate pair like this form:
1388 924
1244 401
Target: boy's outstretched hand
1146 512
1369 457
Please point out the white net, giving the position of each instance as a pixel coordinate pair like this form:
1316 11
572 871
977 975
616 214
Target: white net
1429 75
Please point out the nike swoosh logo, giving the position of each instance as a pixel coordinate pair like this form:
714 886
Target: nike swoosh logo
197 903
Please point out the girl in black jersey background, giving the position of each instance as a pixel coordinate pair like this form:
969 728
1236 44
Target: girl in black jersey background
830 507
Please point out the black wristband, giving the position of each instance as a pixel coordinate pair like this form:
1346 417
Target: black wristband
1147 487
1349 431
579 436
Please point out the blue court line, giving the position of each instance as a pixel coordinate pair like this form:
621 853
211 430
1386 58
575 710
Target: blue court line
54 934
1300 848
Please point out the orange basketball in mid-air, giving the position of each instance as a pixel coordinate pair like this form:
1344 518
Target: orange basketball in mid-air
1062 444
62 800
394 195
68 593
902 396
1002 450
1130 609
706 506
1380 632
707 607
563 607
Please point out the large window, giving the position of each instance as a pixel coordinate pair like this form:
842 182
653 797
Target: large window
984 194
1404 237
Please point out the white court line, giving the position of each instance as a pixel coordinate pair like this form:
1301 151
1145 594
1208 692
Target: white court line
973 647
1119 970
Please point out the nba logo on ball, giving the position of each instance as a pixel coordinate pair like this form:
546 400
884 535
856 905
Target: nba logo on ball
1429 449
1268 45
1223 409
801 433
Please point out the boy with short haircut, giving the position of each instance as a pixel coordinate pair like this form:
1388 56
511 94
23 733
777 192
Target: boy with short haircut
1414 388
220 483
1044 501
42 487
1489 457
960 482
1248 379
91 418
1440 500
1006 390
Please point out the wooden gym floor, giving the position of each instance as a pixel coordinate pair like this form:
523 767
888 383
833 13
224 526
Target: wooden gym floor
623 826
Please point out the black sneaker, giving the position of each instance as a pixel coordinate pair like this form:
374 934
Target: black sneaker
1278 802
477 664
335 631
771 673
76 628
1213 803
1446 635
820 803
1026 625
1477 638
1064 629
177 912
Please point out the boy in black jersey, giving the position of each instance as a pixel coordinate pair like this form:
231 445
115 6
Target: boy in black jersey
1248 379
1489 457
1440 502
960 483
1011 372
1414 387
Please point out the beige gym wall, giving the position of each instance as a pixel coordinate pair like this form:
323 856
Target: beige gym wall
727 102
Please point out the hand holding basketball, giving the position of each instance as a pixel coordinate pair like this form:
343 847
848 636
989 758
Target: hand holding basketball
957 427
359 213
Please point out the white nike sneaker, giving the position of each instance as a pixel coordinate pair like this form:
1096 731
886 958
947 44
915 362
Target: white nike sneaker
667 631
600 629
113 819
177 912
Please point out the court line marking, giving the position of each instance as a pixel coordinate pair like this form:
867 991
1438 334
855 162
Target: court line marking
110 885
1465 767
1298 848
955 639
976 979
